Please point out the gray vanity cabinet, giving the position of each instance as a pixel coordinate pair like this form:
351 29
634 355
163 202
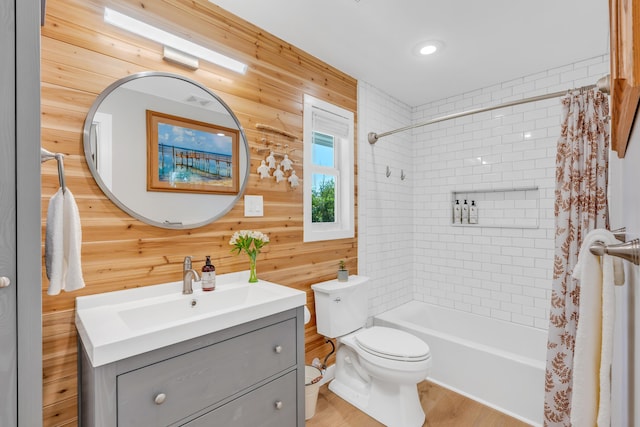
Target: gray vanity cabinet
256 408
249 375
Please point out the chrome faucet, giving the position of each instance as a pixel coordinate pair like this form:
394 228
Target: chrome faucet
188 275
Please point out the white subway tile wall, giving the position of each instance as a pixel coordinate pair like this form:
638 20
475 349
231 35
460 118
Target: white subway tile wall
385 204
407 243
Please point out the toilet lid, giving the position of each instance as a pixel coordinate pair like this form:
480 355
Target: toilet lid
392 344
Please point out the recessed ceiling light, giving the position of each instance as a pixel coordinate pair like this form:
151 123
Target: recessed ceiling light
428 47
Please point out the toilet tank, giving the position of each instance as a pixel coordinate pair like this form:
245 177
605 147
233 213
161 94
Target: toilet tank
341 307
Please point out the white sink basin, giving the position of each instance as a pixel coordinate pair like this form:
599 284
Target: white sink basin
121 324
177 308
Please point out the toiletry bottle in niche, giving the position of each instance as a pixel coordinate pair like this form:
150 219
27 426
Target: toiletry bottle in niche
473 213
208 276
465 213
457 213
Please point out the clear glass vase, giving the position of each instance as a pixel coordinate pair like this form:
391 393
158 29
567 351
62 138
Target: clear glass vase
253 276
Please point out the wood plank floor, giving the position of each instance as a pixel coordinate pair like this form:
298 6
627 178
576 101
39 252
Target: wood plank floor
442 407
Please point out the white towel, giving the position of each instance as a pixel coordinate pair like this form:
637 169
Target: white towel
63 243
53 243
591 397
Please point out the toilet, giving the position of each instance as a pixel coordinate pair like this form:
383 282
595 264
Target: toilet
377 368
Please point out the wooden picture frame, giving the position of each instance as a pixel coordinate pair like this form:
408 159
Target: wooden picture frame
185 155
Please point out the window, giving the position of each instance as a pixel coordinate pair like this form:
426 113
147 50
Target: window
101 138
328 165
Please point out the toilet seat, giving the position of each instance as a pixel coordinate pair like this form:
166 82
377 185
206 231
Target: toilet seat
392 344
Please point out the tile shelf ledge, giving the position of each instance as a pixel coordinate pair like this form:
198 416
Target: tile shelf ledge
515 226
496 190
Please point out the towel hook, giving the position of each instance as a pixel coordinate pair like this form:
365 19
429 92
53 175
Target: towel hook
620 233
47 155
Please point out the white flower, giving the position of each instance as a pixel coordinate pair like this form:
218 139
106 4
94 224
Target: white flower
248 240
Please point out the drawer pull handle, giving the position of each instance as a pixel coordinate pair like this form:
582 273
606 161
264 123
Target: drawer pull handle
160 398
278 349
278 404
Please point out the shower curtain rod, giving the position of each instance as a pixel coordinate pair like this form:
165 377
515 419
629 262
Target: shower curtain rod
602 85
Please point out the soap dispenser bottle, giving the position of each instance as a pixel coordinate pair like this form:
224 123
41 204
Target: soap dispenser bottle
457 213
208 276
465 213
473 213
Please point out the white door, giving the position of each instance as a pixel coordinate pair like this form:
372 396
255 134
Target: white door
20 235
624 210
628 296
8 297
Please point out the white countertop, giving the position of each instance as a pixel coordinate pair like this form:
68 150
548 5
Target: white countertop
121 324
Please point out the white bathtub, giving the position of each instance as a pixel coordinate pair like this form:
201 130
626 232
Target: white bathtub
498 363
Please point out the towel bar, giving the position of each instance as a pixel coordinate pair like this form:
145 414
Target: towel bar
47 155
629 250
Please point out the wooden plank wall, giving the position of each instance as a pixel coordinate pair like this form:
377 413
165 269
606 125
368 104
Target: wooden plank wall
81 56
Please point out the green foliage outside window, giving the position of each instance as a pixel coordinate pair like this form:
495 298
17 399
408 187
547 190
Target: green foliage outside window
323 201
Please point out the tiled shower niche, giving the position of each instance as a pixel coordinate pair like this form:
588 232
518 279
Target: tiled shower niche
501 208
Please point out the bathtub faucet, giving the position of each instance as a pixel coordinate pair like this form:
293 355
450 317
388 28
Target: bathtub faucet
188 275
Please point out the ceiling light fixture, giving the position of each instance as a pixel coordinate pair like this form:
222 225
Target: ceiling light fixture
167 39
174 55
428 48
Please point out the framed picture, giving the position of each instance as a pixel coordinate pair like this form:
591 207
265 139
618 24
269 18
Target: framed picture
190 156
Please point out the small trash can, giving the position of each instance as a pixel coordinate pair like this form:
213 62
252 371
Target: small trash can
312 377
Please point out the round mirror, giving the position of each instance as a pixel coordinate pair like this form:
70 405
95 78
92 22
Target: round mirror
166 150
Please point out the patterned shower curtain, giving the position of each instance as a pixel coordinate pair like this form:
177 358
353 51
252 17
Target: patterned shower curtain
580 206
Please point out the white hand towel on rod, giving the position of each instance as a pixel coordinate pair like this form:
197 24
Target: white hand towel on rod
63 244
53 243
591 397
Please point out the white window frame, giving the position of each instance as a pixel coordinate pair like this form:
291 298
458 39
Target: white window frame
321 116
102 146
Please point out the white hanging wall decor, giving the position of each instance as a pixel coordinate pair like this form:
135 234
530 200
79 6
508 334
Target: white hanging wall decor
270 162
293 179
263 170
278 174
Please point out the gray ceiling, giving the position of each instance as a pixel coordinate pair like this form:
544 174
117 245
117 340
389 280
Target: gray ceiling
486 42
